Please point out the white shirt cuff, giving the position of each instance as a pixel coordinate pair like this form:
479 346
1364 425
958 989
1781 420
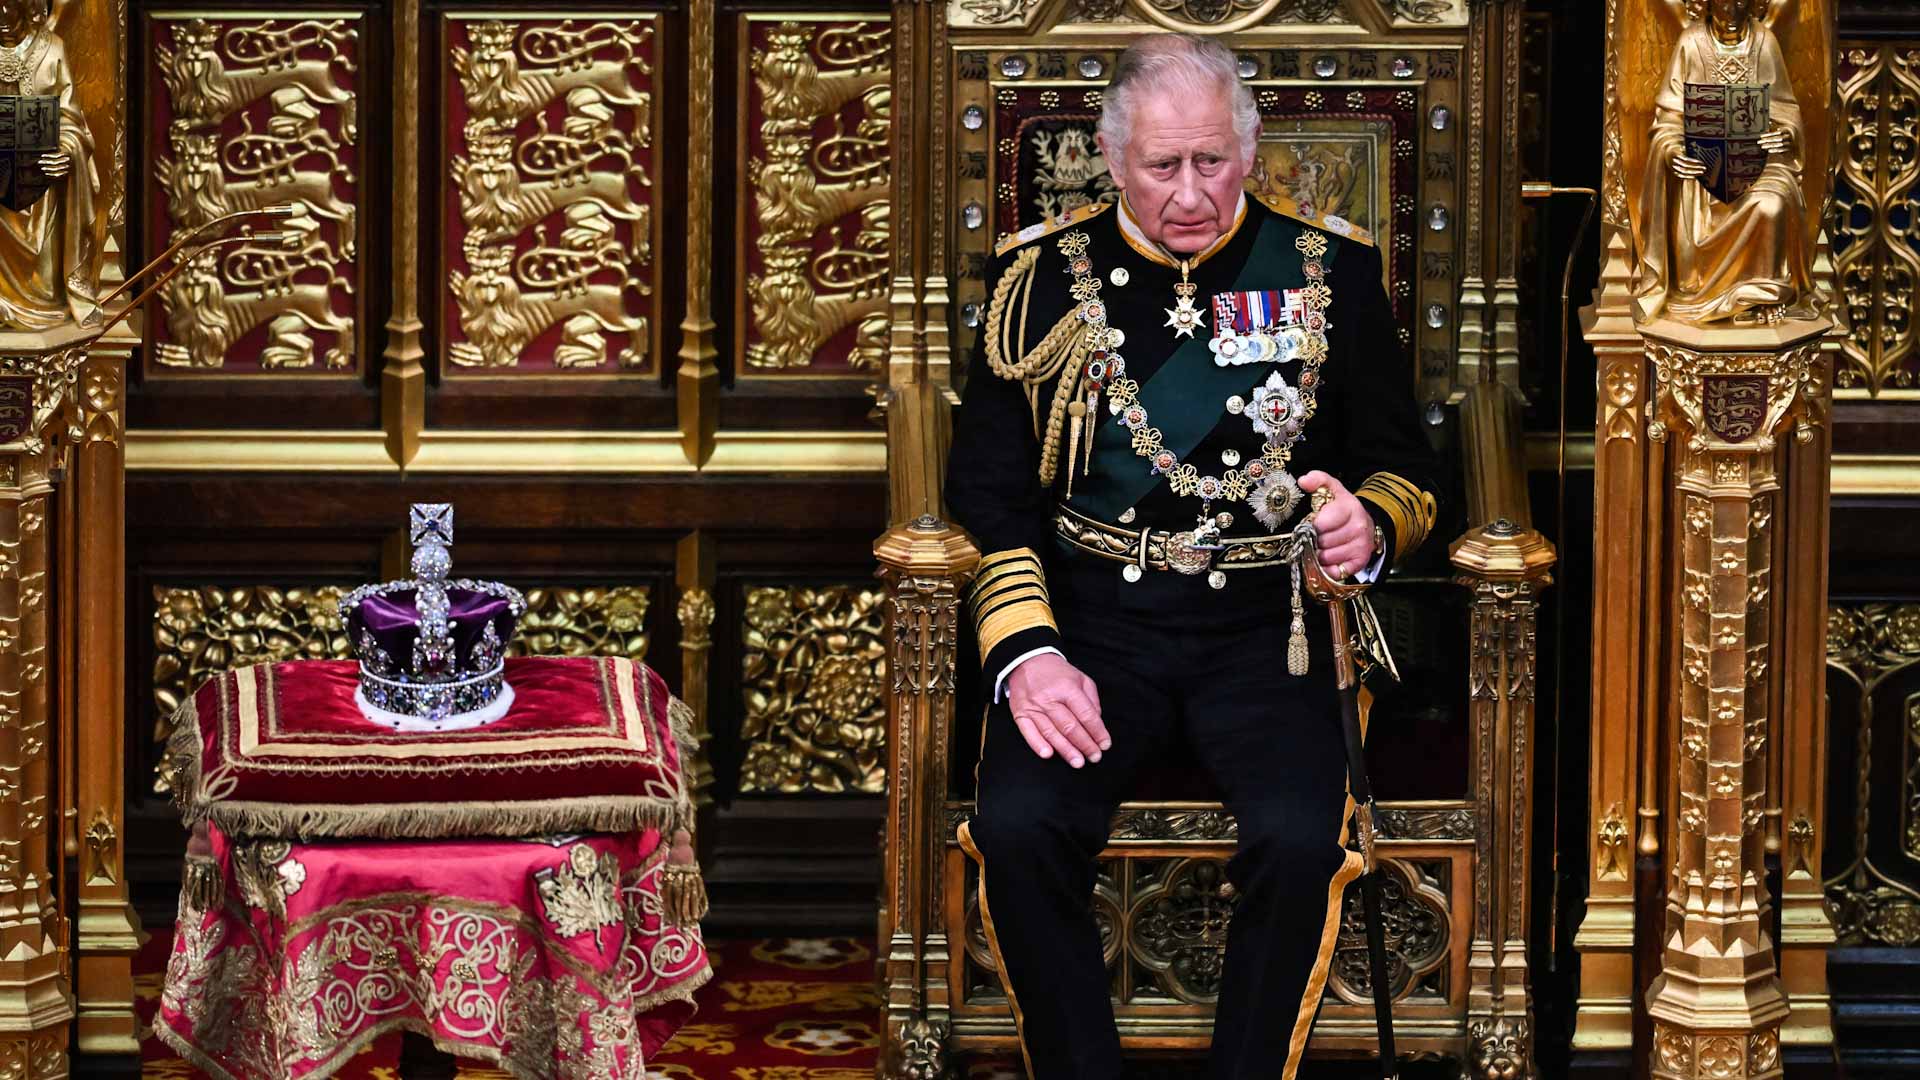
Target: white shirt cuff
1000 684
1373 571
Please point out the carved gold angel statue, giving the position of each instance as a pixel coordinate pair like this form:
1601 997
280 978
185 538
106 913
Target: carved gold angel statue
49 265
1741 253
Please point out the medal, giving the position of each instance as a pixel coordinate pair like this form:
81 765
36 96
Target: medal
1272 325
1183 316
1275 410
1275 499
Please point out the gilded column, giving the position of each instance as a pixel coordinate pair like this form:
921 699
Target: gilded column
1505 565
35 1003
925 565
403 381
1718 1003
1624 536
698 379
694 576
108 931
1806 926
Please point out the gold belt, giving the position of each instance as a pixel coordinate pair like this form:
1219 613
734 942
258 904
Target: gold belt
1158 549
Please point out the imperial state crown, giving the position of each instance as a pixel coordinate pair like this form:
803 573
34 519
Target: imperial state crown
432 651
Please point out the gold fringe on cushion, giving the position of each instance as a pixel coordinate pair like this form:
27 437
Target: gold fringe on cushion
683 893
436 821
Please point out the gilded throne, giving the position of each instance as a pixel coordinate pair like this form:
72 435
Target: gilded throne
1362 106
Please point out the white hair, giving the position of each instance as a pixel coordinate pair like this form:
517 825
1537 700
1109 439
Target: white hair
1187 65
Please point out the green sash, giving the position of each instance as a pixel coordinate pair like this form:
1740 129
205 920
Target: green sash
1186 397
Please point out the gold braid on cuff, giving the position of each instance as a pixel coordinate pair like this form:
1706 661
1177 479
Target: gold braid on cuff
1411 509
1009 595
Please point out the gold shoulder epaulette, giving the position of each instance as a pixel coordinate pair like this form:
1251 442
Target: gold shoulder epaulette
1051 225
1333 223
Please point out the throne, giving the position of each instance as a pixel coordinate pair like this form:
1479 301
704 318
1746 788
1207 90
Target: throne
1360 104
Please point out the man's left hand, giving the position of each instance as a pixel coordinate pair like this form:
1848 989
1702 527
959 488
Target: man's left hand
1344 527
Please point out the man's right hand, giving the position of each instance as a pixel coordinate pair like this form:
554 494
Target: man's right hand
1687 168
1057 709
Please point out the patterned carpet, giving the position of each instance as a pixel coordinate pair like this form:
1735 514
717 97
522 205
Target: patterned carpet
777 1009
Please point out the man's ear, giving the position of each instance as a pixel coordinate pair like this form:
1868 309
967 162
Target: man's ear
1113 162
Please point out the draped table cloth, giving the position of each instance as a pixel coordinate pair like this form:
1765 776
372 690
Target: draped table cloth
552 956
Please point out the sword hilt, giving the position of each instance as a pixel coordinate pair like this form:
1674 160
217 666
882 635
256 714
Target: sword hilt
1364 814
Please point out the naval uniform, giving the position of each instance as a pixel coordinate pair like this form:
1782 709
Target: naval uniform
1122 480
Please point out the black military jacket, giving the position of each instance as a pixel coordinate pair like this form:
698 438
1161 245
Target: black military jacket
1365 427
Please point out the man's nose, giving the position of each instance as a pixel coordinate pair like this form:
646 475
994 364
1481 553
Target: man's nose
1187 192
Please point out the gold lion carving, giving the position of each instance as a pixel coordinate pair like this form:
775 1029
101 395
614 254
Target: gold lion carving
202 312
497 89
501 320
198 190
497 204
203 91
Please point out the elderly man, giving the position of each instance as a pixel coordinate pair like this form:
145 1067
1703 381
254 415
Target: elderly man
1156 385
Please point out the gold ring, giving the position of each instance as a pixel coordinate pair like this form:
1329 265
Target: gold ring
1340 570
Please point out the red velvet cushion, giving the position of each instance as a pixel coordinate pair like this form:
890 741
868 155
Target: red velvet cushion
590 745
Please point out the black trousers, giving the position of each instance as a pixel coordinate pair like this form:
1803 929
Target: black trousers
1272 743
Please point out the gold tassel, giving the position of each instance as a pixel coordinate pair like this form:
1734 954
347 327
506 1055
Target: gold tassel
1076 420
1297 639
1093 410
683 893
200 886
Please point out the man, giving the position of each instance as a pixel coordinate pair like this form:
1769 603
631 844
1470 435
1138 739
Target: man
1150 379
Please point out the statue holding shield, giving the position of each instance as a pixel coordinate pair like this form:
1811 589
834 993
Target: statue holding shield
49 265
1722 216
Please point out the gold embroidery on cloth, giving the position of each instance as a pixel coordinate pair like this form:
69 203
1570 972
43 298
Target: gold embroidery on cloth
580 895
266 873
370 968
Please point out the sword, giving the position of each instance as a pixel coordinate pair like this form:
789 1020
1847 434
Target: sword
1337 595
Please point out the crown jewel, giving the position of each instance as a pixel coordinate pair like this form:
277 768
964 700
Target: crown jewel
452 634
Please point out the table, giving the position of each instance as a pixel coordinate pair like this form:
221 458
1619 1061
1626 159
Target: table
549 957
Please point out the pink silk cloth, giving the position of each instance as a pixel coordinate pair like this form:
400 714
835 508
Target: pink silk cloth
549 957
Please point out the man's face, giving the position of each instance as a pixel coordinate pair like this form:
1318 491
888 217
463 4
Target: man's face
1182 170
1730 14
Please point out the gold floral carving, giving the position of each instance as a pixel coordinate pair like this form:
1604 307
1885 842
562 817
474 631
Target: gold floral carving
1429 12
1318 11
1613 861
590 621
581 895
58 412
101 403
102 840
1414 917
1205 15
815 689
1872 902
39 1057
995 12
552 230
262 113
199 632
817 166
1685 374
1876 262
695 612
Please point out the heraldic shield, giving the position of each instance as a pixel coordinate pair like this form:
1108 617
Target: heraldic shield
29 128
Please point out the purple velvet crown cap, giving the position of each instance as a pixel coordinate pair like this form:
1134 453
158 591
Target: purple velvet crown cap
392 621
